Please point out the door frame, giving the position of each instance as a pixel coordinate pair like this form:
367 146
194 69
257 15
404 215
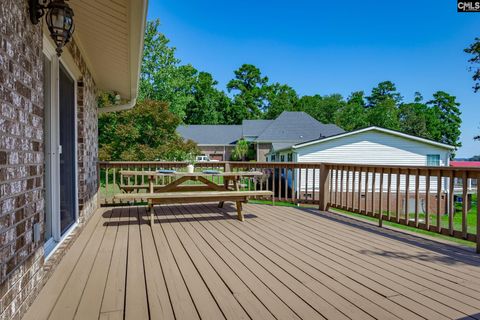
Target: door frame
52 122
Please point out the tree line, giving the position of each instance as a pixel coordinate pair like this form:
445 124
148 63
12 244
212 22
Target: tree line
190 96
194 96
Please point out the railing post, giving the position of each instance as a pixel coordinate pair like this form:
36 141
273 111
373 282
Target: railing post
324 185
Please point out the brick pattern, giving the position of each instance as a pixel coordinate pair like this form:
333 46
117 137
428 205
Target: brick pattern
21 145
87 114
22 267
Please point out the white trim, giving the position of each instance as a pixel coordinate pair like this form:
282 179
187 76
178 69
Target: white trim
387 131
52 245
52 121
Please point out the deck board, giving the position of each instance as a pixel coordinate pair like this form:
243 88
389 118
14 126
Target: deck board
199 262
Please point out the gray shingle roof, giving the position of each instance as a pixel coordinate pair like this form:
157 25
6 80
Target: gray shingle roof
297 127
281 146
211 134
253 128
289 128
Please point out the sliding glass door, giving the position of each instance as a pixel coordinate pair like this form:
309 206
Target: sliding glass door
67 148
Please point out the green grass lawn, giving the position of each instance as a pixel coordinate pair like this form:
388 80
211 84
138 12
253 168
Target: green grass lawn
457 218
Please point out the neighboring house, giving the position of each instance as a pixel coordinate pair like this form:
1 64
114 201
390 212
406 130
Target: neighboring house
218 141
369 146
48 130
215 141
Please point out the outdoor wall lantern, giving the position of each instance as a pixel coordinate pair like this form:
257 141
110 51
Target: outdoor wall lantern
59 18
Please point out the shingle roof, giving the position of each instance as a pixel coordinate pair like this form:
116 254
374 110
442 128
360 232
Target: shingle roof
289 128
211 134
253 128
297 127
281 146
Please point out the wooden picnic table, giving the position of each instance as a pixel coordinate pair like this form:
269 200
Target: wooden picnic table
176 192
182 177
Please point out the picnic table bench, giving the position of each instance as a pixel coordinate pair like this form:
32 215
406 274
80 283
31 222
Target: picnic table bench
208 191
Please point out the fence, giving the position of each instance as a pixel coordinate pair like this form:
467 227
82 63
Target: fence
438 199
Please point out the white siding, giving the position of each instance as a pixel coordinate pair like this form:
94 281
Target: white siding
374 148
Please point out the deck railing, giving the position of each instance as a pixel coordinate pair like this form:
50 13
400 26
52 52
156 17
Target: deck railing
438 199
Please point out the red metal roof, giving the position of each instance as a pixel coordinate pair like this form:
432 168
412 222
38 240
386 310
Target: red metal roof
465 163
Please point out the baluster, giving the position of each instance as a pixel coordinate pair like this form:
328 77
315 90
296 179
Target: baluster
427 200
353 189
331 186
367 178
407 196
417 196
451 203
397 204
380 201
106 184
273 186
341 186
360 174
374 177
294 189
439 199
389 191
465 204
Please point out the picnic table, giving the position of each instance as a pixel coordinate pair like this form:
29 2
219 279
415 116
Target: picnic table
177 192
202 177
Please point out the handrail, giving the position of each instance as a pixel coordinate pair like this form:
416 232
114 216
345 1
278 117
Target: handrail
423 197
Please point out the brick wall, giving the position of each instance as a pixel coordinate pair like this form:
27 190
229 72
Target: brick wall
21 154
22 268
87 114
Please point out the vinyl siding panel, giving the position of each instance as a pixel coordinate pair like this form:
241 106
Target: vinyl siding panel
374 148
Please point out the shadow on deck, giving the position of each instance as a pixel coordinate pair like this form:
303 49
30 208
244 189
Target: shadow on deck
199 262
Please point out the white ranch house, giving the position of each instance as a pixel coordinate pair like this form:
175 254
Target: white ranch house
369 146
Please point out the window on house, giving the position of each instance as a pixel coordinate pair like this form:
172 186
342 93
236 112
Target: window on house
272 157
290 157
282 158
433 160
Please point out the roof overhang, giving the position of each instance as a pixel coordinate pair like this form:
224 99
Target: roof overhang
110 35
378 129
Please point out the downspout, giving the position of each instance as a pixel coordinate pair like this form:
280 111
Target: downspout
121 107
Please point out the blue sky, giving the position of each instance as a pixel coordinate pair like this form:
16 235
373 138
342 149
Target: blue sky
324 47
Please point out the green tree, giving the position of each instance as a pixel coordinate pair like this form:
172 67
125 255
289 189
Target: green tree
385 90
321 108
250 89
145 133
417 118
352 115
447 112
474 51
382 106
241 150
208 103
162 77
280 98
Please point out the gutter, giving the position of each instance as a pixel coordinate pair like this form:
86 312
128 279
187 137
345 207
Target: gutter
121 107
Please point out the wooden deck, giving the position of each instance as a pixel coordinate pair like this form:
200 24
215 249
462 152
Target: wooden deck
198 261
